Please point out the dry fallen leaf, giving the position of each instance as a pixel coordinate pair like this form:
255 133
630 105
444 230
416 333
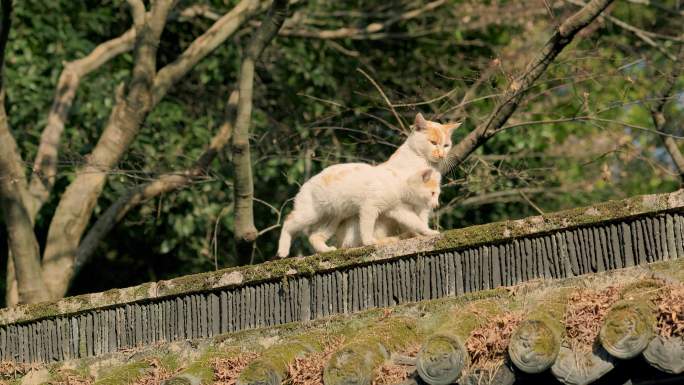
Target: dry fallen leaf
308 370
227 370
584 315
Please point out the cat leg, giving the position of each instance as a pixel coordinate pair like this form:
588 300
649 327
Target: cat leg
411 221
320 236
386 230
295 222
347 233
368 215
424 215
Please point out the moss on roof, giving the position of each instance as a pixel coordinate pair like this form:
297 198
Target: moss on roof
278 270
188 357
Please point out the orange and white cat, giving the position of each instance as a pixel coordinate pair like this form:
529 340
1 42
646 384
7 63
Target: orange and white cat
361 204
358 190
426 147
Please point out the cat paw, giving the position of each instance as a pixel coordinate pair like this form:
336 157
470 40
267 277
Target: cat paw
370 242
386 240
327 248
430 232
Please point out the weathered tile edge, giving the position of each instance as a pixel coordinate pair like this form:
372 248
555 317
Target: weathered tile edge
448 240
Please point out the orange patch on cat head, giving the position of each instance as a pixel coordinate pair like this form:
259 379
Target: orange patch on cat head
432 183
429 178
449 127
434 135
435 131
444 130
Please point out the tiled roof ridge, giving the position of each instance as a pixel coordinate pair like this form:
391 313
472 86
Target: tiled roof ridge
603 212
376 338
627 331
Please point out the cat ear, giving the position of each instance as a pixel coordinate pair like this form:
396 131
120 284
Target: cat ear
426 175
450 127
420 122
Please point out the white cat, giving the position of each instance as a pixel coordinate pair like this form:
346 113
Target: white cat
426 147
361 190
387 229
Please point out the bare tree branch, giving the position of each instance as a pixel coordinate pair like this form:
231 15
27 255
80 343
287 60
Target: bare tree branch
370 30
221 30
22 242
458 111
387 101
163 184
503 196
75 208
142 93
466 15
638 32
245 232
45 165
23 245
518 87
659 118
658 6
44 169
199 10
138 13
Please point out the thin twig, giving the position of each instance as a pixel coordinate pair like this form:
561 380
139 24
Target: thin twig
387 101
527 199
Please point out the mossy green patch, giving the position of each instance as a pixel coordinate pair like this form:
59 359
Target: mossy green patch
642 289
673 269
356 361
201 370
125 374
63 376
460 321
500 231
547 341
637 315
272 365
42 310
551 310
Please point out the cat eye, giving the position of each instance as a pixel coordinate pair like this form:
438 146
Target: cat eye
433 193
446 145
433 142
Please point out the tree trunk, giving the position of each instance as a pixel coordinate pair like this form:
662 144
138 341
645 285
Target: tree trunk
245 232
164 183
78 201
22 242
23 246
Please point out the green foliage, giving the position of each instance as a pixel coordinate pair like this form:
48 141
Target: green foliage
313 109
